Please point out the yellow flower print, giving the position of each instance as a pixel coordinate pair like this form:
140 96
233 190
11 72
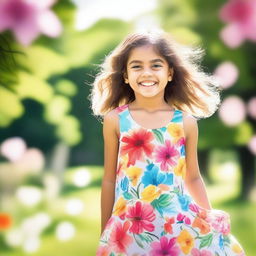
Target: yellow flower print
186 241
180 169
176 131
124 161
236 248
150 193
119 207
134 174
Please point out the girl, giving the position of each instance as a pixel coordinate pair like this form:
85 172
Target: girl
151 92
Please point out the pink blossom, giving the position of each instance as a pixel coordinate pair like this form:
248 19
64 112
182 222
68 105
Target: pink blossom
141 216
194 208
119 238
196 252
165 247
227 72
219 220
184 218
241 18
28 18
167 155
232 110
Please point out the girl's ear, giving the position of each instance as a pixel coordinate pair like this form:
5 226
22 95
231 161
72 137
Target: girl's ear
170 75
171 72
125 78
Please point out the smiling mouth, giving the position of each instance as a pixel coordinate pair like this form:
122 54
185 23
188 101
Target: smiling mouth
148 84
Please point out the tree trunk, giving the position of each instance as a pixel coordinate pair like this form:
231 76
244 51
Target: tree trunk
203 162
247 171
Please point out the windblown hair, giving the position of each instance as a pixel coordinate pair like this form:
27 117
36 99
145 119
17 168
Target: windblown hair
191 90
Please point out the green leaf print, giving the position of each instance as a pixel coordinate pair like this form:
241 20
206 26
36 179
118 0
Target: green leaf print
165 200
127 195
206 240
226 240
176 190
112 254
137 239
159 135
135 193
145 238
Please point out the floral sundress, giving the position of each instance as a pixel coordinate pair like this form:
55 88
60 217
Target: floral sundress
153 213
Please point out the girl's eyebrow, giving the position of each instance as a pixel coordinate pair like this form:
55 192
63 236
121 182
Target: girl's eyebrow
138 61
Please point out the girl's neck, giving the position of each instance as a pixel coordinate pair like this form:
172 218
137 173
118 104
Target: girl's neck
149 106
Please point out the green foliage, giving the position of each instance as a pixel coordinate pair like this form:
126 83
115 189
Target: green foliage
7 114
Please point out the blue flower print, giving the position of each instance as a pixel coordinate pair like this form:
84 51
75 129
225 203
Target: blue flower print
221 242
125 123
124 184
184 201
152 176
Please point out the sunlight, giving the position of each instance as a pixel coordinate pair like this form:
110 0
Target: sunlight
89 12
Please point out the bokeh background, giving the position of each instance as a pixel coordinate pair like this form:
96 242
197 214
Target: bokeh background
51 146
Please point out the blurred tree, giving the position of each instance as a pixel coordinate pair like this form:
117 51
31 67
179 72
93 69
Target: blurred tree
186 21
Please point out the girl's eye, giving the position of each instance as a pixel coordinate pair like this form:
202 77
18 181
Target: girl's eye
157 65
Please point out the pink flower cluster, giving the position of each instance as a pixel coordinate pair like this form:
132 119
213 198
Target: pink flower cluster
27 19
219 220
241 18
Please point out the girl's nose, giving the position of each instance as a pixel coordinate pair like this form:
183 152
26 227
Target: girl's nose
146 72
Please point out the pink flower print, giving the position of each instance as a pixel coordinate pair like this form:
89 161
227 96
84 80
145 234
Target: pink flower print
103 251
219 220
196 252
181 141
141 215
119 239
194 208
240 16
27 19
167 155
164 247
183 218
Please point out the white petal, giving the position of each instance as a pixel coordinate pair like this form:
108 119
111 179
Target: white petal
49 24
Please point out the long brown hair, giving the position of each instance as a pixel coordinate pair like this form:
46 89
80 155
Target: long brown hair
191 90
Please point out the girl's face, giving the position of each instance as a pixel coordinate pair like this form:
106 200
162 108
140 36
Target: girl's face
147 72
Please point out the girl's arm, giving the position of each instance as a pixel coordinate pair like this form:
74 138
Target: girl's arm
193 180
110 164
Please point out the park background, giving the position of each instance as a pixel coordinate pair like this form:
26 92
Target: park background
51 145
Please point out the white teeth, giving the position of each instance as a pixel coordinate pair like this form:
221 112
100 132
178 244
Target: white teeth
147 84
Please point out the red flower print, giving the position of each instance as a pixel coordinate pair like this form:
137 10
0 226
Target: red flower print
168 225
141 216
167 155
137 144
119 239
165 247
5 221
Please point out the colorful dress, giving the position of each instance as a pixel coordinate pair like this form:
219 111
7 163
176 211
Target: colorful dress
153 213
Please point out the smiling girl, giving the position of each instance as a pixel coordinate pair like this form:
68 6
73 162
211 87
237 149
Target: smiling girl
151 93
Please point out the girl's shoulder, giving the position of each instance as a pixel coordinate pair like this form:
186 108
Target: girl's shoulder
111 119
189 124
